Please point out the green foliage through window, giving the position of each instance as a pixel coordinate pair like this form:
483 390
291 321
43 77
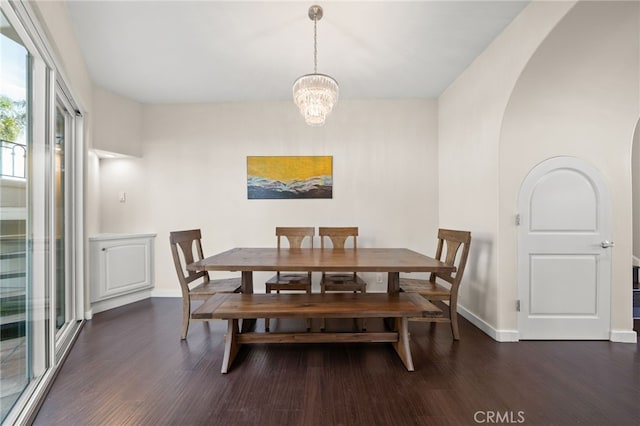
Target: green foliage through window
13 118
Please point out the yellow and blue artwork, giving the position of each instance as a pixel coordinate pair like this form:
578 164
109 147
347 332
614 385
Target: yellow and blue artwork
286 177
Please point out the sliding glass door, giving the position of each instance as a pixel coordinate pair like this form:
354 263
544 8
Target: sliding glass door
63 218
39 227
59 210
14 216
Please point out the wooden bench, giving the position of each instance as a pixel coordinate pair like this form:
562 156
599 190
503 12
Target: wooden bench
397 308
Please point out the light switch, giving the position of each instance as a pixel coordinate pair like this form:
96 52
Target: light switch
123 197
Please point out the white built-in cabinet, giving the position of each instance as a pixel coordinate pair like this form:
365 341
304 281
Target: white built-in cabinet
122 268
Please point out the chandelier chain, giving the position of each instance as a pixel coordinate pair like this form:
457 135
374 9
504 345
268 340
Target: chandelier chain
315 44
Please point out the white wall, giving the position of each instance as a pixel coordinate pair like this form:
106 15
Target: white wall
117 123
192 174
562 79
578 96
470 120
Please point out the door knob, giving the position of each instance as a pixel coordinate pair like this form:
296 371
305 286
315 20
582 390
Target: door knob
607 244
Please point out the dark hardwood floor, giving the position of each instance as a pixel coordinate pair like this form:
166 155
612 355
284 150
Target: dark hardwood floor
129 367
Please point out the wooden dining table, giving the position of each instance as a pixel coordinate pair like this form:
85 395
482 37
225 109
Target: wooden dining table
394 307
392 261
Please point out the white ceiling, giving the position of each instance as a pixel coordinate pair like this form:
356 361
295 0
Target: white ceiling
214 51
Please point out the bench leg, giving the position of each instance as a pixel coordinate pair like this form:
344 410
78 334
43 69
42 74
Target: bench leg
402 345
231 346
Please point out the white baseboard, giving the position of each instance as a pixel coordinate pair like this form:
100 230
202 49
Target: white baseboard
620 336
624 336
497 335
105 305
166 293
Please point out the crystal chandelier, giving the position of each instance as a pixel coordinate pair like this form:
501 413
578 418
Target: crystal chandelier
315 94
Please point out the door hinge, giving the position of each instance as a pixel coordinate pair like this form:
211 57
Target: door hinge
518 305
518 219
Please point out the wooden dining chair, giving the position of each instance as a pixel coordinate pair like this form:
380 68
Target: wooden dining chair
453 249
186 248
295 237
344 281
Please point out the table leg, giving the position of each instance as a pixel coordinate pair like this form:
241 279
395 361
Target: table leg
402 345
389 324
247 282
393 283
231 347
393 287
247 288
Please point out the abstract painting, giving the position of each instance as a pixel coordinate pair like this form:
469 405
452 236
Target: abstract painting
286 177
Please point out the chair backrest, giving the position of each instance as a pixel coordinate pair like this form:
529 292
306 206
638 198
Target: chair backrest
449 244
186 248
295 236
338 235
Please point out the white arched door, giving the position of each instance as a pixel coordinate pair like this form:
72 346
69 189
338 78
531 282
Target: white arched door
564 252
